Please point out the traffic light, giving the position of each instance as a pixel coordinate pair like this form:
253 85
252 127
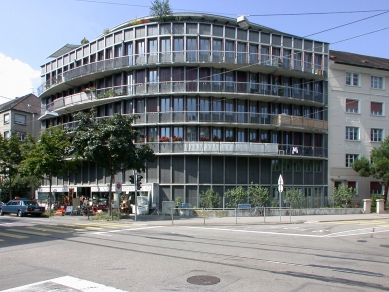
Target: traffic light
132 179
138 181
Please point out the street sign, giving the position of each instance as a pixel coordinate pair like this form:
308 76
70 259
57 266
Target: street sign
118 186
280 184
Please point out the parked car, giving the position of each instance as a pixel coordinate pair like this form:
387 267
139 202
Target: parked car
1 203
21 208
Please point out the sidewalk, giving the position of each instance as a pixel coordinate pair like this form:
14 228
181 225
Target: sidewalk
183 220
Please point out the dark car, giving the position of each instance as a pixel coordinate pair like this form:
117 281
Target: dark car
21 208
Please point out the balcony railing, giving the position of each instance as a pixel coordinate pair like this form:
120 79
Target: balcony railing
237 148
195 86
257 119
169 57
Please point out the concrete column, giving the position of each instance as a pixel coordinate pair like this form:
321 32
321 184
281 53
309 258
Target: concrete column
380 206
366 206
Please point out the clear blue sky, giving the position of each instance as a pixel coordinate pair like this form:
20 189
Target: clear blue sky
33 29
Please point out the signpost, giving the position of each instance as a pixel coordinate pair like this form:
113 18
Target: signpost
280 190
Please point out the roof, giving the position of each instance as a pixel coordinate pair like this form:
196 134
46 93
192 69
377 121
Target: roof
65 49
18 102
351 59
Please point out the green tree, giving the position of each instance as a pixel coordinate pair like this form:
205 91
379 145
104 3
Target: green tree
160 10
343 195
257 196
209 199
294 197
236 196
110 143
379 168
47 158
10 159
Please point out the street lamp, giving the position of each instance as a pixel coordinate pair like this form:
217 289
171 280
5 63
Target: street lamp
243 22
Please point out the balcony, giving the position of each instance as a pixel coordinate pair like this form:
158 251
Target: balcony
230 60
250 120
261 91
237 148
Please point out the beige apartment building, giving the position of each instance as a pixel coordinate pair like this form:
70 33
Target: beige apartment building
358 117
20 116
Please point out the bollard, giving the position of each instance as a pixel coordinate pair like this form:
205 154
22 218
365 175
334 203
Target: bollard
264 214
290 215
236 216
171 212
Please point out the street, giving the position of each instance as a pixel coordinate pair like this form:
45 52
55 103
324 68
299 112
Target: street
129 256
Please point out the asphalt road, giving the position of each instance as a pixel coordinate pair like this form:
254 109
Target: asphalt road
336 256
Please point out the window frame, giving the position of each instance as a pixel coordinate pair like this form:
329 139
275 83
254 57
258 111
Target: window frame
377 113
6 119
374 137
350 78
377 82
350 133
352 101
20 123
350 158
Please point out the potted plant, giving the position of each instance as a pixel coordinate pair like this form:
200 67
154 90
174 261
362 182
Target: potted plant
204 139
177 139
164 139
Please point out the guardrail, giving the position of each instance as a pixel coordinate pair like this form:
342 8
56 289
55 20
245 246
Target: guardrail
184 87
189 56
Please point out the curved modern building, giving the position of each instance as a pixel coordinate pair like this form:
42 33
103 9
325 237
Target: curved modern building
223 103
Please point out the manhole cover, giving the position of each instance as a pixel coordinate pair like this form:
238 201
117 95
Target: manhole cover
203 280
384 245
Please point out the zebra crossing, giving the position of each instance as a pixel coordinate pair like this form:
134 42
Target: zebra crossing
9 231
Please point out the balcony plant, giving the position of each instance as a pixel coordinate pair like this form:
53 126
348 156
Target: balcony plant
89 89
177 139
217 139
109 93
164 139
204 139
230 139
151 139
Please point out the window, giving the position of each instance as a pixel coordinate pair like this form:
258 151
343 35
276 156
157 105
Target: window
317 166
376 108
307 166
275 165
6 134
352 184
376 135
6 119
352 105
377 82
297 166
375 188
350 158
22 136
286 165
352 133
352 79
20 119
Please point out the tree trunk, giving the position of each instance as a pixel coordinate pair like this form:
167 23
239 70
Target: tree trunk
386 192
50 196
110 196
10 186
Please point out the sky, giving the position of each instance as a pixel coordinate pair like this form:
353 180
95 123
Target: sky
33 29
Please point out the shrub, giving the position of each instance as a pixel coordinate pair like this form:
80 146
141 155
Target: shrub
374 202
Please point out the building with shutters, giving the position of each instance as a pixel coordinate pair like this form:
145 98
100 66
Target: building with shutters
223 104
357 117
20 116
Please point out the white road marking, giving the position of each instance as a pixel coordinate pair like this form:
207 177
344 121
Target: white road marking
127 229
338 234
65 282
